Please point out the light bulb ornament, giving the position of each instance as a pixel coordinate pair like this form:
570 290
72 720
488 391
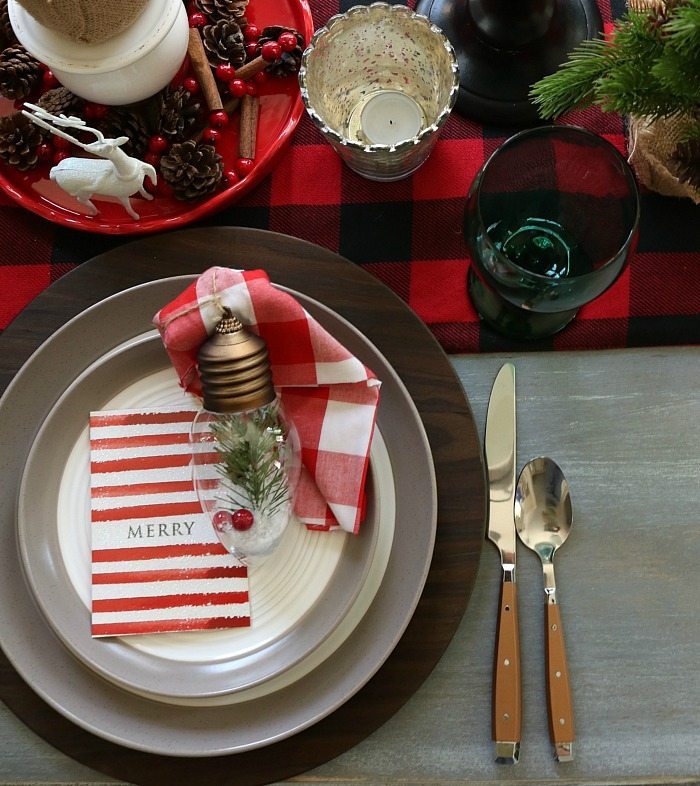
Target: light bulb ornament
245 449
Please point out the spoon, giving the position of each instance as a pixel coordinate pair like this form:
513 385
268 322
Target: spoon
543 518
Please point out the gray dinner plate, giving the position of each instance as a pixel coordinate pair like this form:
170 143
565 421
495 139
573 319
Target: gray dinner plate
79 692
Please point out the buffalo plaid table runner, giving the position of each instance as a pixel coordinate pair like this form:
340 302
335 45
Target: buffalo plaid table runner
409 235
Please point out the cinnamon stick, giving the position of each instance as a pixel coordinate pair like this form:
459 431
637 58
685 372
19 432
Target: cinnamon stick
230 106
250 108
250 69
202 70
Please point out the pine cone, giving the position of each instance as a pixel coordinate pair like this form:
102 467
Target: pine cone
7 34
223 42
177 113
120 121
289 62
20 73
9 123
223 9
59 101
19 143
192 169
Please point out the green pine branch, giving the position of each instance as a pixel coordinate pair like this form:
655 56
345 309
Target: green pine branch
650 67
249 460
683 28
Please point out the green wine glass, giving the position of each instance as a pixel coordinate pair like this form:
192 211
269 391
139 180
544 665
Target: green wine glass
551 220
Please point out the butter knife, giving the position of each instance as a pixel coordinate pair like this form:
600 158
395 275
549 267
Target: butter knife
500 463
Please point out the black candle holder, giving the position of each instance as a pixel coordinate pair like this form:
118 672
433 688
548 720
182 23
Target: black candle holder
504 46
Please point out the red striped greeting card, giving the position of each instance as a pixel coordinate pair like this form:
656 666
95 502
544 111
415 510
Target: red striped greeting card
157 564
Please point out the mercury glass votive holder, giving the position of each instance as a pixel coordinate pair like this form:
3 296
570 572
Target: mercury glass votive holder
379 81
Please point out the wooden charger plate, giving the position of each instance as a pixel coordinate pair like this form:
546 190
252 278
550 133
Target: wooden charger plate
438 395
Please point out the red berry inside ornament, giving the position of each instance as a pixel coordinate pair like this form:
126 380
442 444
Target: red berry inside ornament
225 72
59 156
251 33
218 119
251 50
222 520
270 51
261 77
242 519
237 88
251 89
197 19
153 159
244 166
287 41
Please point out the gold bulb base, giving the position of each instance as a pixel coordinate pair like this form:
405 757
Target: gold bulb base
234 369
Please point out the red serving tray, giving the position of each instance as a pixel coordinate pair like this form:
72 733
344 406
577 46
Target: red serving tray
281 109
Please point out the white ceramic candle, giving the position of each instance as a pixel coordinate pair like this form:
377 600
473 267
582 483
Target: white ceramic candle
128 67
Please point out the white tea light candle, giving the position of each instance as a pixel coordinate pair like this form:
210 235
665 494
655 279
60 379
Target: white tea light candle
389 117
379 82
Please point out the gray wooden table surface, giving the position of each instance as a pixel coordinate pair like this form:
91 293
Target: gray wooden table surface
625 427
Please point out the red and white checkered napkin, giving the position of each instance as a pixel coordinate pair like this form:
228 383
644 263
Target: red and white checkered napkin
328 393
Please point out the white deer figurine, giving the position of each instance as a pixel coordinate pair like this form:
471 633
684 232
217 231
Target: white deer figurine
119 176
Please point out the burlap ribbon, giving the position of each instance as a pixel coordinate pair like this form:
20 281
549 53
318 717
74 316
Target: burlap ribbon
651 145
88 21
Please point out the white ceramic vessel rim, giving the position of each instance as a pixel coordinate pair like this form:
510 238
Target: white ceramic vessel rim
366 10
129 46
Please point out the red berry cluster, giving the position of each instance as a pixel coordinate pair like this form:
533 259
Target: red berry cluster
241 520
235 87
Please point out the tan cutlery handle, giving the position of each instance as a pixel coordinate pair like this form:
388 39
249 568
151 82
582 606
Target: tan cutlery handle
561 715
506 682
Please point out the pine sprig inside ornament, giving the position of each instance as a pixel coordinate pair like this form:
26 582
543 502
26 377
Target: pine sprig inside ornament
249 460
